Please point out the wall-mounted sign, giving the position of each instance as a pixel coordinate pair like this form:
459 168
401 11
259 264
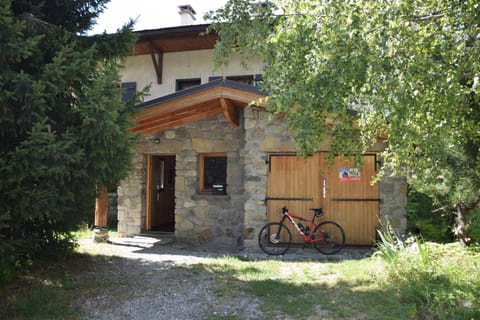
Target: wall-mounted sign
349 174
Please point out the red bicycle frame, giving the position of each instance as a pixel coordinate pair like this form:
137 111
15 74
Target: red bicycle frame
310 237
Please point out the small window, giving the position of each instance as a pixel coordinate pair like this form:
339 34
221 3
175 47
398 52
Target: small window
213 78
187 83
247 79
213 173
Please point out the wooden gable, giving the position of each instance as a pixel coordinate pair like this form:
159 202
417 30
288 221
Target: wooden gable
197 103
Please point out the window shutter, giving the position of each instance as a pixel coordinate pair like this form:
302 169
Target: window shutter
129 89
258 78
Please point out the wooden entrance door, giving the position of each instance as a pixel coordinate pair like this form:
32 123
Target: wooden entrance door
351 200
160 194
293 182
342 189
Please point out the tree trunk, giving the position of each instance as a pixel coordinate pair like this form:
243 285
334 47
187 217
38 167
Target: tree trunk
460 227
101 208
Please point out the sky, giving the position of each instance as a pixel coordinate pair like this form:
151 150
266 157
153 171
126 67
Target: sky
150 14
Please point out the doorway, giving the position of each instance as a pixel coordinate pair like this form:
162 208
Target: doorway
341 188
160 215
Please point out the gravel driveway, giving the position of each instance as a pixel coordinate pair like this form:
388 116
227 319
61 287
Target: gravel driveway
146 278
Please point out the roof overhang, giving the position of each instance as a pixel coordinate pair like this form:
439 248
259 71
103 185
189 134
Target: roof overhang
197 103
175 39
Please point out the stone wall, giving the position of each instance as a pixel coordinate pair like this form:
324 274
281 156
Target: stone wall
210 220
261 136
393 195
131 199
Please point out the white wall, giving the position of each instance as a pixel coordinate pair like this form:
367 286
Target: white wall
180 65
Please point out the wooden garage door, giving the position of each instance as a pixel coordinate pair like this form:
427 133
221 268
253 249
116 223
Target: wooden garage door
343 189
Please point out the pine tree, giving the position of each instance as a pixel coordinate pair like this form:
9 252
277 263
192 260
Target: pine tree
63 127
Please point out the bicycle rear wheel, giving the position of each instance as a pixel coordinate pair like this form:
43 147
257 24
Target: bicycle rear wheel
274 238
333 237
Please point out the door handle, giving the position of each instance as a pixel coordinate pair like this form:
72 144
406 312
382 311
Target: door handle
324 188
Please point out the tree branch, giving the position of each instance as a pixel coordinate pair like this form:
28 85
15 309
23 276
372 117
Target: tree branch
432 16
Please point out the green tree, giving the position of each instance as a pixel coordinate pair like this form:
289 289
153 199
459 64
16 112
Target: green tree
407 71
63 126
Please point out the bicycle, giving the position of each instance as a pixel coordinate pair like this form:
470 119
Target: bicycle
327 237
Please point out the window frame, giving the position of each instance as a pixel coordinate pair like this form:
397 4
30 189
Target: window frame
245 79
201 167
190 82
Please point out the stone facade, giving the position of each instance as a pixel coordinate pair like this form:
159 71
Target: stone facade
231 220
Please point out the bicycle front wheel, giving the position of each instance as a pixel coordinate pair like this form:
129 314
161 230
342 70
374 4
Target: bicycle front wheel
274 238
332 235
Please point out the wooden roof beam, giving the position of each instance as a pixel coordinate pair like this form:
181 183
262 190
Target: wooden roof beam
231 113
157 64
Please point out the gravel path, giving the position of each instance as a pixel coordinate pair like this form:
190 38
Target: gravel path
142 279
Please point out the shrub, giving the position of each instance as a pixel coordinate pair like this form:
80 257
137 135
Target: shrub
36 239
473 225
433 281
423 220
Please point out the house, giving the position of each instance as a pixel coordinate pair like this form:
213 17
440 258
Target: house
213 168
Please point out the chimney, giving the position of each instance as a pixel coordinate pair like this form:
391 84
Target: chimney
187 15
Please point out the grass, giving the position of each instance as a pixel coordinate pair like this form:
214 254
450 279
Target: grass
44 293
426 281
47 290
310 289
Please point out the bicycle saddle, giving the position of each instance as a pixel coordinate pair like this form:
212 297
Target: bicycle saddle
318 212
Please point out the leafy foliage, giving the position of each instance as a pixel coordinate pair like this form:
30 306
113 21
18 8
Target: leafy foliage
63 126
405 71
